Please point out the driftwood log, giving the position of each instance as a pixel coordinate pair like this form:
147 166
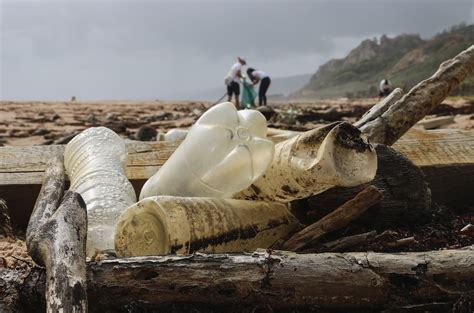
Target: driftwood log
335 220
366 281
56 239
420 100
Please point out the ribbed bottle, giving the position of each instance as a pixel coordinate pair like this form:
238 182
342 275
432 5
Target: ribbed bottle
95 162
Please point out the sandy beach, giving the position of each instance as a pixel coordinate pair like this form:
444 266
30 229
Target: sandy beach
45 122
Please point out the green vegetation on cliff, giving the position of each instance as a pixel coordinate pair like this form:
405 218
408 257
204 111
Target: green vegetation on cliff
405 60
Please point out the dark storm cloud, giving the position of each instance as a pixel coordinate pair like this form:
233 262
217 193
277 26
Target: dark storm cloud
156 49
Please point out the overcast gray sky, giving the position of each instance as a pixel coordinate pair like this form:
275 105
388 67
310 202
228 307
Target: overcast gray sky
110 50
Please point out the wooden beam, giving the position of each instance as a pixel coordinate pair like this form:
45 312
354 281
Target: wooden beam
446 157
25 165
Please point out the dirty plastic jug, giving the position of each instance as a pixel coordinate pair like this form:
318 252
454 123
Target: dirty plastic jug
95 162
223 153
182 225
312 162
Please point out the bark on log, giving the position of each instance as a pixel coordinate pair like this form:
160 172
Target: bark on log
56 238
420 100
343 281
407 199
335 220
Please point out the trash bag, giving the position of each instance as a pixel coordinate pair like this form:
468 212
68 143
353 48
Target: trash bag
248 96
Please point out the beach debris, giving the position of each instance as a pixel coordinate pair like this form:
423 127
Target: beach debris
111 117
348 242
175 134
158 117
335 220
401 242
95 162
223 153
40 132
468 229
146 133
315 161
432 123
66 139
267 111
183 225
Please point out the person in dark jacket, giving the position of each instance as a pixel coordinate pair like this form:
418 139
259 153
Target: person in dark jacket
257 76
385 88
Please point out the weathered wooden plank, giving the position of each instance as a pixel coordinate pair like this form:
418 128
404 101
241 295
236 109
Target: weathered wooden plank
437 147
26 164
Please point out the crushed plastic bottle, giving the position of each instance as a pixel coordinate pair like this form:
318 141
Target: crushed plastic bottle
95 162
183 225
223 153
312 162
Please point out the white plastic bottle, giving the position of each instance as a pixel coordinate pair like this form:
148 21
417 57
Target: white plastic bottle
95 162
175 134
223 153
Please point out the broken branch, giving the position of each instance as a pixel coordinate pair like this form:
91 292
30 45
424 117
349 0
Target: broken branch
336 219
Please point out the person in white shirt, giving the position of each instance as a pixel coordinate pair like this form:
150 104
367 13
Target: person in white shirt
232 81
385 88
257 76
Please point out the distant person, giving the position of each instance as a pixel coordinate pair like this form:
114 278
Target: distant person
232 81
385 88
257 76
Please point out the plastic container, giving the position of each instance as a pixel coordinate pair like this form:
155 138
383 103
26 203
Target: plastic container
223 153
165 224
175 134
95 162
312 162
